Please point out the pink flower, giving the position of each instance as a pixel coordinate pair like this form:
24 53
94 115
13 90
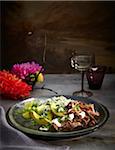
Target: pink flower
24 69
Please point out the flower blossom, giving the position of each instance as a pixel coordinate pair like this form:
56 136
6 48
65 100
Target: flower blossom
12 87
24 69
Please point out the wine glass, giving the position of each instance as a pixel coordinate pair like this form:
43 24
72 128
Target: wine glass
82 61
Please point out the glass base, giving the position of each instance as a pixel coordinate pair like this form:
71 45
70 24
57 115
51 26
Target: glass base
83 93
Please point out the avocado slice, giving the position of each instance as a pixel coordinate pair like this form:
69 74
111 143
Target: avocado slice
54 108
45 111
39 119
28 105
26 115
41 108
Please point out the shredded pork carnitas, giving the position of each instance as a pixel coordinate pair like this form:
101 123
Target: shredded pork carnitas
84 116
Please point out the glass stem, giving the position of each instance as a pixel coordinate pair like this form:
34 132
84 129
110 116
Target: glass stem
82 81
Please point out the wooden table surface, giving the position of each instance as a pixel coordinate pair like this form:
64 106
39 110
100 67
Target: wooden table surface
66 84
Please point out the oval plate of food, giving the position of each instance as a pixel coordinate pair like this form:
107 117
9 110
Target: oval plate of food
57 117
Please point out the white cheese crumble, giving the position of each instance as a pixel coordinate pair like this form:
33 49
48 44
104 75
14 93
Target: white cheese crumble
71 116
43 129
82 114
63 118
56 122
